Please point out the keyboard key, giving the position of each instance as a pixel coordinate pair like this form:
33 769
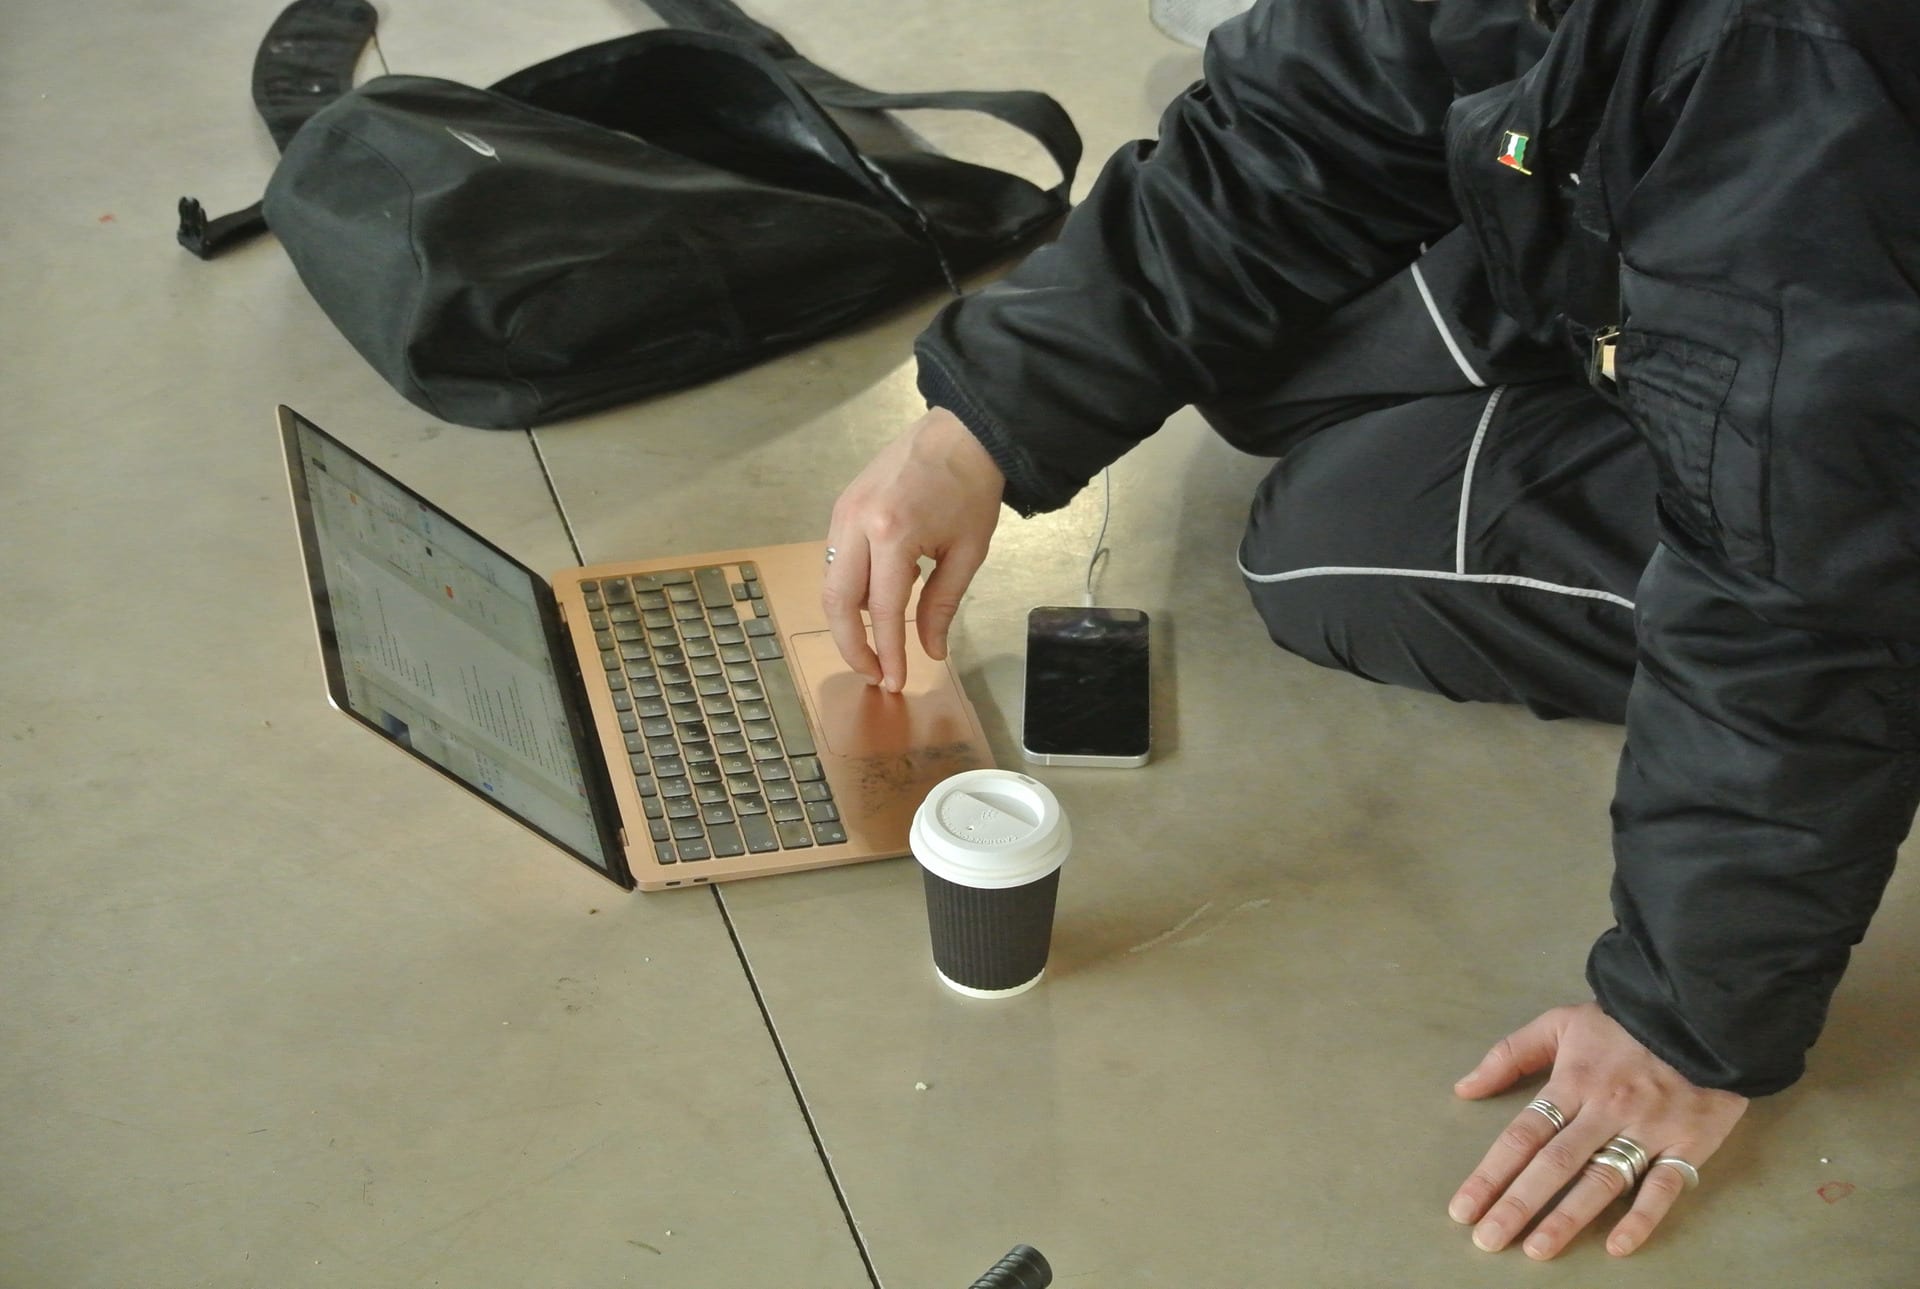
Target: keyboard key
817 791
778 791
655 808
758 830
714 592
772 772
728 635
659 829
656 727
717 814
652 599
750 572
732 763
622 703
616 681
646 687
766 751
748 691
599 622
645 581
761 626
687 713
725 617
712 686
703 773
688 612
617 591
717 705
750 803
673 653
659 637
710 667
641 668
743 785
663 853
672 577
787 811
759 607
699 644
623 613
793 836
692 849
680 695
807 769
675 673
787 712
662 747
643 784
693 731
756 711
650 706
709 794
629 723
682 808
669 769
822 812
761 731
735 653
726 840
698 753
724 723
738 672
683 593
765 647
627 632
739 590
610 659
638 762
829 834
729 743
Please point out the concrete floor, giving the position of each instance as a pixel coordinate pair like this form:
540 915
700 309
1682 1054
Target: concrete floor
282 1009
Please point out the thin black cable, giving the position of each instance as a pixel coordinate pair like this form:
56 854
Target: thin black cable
552 491
793 1082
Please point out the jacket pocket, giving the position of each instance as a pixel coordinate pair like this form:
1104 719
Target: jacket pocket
1695 368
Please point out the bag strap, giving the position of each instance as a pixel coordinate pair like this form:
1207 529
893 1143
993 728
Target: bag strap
305 61
1029 111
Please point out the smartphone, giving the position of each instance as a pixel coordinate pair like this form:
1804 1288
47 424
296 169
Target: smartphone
1087 687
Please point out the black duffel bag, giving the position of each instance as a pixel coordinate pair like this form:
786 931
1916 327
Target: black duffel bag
633 216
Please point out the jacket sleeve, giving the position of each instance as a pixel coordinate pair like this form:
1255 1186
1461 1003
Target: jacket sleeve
1773 729
1305 167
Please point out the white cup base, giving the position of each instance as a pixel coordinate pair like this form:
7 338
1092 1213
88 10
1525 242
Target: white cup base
971 992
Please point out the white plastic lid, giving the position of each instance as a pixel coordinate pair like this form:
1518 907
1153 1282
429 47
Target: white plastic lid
990 829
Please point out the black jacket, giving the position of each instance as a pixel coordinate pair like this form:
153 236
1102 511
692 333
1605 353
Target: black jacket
1757 165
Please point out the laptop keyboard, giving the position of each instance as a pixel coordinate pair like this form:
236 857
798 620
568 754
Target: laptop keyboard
717 740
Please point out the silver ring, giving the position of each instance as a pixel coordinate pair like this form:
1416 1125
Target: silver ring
1550 1110
1686 1170
1619 1163
831 552
1633 1152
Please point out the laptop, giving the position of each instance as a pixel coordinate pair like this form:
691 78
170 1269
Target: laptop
672 721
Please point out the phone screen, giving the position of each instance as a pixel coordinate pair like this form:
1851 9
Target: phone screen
1087 691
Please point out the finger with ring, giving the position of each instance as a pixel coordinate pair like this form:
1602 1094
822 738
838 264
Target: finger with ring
1633 1152
1687 1171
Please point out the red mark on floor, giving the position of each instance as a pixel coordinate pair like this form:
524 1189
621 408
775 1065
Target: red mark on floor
107 218
1834 1192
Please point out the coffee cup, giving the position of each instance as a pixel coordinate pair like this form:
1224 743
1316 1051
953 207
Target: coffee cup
990 844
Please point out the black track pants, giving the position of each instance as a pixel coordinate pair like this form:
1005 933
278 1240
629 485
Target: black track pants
1460 519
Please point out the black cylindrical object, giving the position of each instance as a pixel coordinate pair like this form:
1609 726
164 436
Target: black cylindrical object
1022 1268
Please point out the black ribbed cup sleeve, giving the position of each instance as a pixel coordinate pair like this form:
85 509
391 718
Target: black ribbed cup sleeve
990 939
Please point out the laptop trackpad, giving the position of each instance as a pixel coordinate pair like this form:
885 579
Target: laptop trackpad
858 719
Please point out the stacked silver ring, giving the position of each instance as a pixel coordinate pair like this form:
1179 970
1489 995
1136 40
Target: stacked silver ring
1552 1112
1625 1157
831 552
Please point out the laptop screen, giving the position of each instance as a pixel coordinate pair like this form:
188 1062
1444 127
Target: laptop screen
439 641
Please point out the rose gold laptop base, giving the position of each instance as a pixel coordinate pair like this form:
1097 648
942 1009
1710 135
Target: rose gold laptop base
738 742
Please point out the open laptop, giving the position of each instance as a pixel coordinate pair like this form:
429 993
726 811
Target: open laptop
669 722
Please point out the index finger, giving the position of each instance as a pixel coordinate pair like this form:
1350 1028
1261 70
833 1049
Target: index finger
890 585
842 593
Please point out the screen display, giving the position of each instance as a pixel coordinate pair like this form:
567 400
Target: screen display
1087 691
439 642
